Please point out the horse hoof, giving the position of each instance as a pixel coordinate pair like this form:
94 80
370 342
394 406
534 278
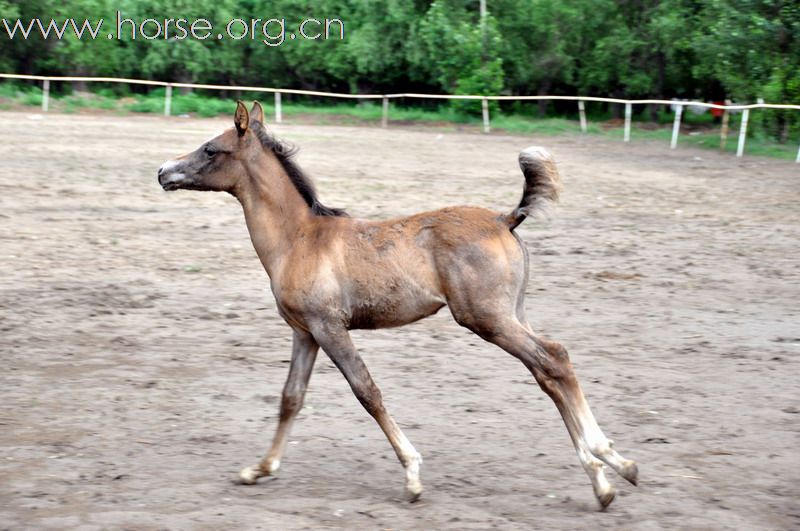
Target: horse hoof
413 492
606 499
630 472
250 475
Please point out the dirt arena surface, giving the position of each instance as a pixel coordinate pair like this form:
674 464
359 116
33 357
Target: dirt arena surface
143 357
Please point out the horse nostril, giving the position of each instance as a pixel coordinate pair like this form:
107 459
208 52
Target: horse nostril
161 171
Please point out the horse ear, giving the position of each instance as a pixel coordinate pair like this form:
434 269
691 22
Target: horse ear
241 119
257 113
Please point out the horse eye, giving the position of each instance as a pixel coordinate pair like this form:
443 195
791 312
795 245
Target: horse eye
209 151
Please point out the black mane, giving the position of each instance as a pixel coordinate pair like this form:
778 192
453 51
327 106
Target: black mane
285 153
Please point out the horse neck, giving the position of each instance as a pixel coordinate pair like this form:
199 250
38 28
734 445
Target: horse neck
274 210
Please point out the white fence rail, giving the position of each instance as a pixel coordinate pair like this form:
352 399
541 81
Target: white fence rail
581 101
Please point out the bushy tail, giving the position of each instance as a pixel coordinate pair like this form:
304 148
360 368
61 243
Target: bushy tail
542 184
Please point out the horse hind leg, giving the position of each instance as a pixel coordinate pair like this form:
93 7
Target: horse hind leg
549 363
553 371
567 383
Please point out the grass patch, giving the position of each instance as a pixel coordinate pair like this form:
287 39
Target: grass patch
19 93
709 138
8 90
540 126
146 104
516 119
74 102
200 105
371 111
32 97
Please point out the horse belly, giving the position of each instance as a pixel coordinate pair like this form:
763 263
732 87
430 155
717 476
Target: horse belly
393 302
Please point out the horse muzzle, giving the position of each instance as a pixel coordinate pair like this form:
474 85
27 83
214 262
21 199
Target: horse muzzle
173 181
171 176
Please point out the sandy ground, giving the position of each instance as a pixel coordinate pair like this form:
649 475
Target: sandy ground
143 358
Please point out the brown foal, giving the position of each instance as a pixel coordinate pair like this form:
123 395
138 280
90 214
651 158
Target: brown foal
331 273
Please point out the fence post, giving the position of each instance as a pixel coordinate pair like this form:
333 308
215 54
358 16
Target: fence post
168 101
278 111
45 95
582 115
485 108
627 122
385 116
797 160
676 126
742 133
723 134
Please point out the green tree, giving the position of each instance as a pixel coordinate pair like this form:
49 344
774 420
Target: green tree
753 49
377 43
643 51
452 49
86 56
544 42
186 60
706 49
316 64
8 11
24 54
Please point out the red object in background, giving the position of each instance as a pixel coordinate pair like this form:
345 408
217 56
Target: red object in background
717 113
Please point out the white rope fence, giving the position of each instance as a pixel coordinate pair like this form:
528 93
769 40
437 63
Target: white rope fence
581 100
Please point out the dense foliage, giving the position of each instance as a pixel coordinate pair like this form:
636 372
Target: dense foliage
704 49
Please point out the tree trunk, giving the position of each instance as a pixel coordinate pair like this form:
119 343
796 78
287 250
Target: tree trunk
79 87
783 129
544 89
617 108
653 108
660 76
184 77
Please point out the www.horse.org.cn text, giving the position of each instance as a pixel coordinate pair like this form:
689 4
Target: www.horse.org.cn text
270 31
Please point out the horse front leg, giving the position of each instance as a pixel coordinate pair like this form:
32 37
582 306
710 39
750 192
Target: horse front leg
304 354
339 347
